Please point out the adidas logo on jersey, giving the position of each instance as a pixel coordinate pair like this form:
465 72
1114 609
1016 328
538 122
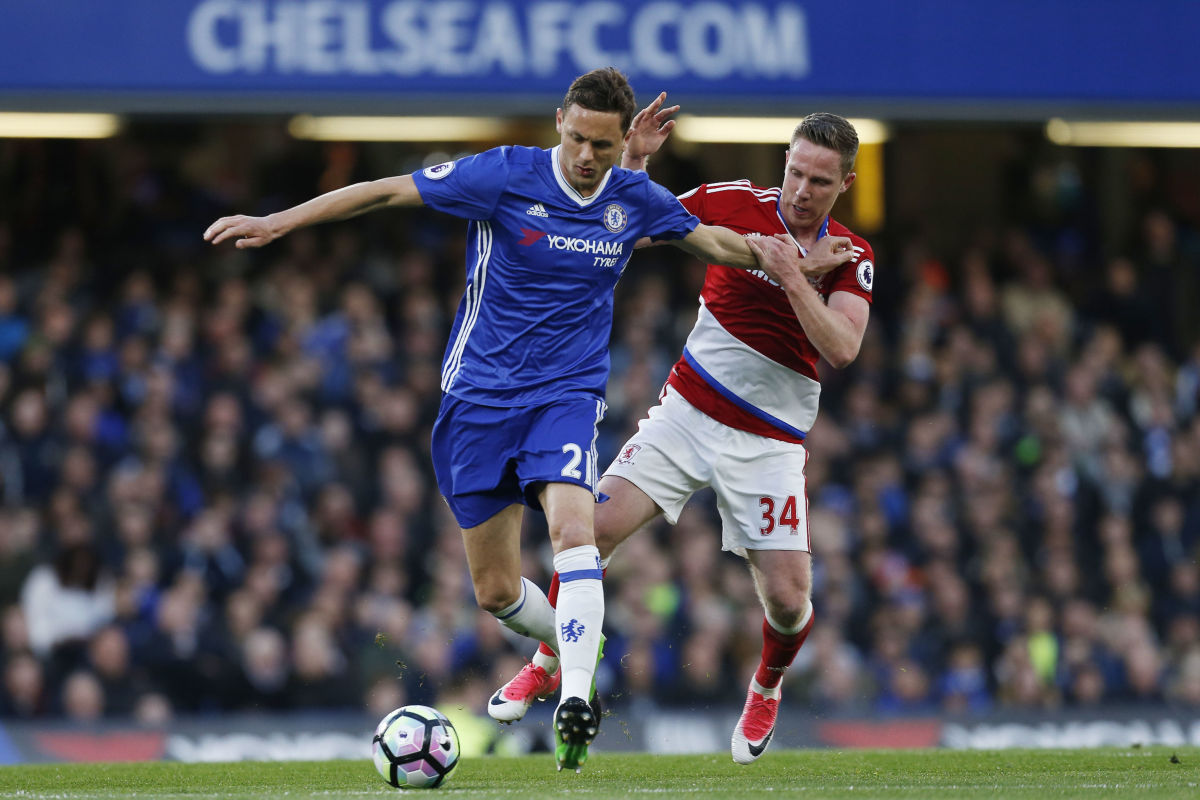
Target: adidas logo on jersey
537 210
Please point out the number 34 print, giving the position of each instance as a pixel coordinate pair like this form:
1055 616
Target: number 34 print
787 517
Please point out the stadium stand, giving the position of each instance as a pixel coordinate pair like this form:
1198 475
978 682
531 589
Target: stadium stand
217 495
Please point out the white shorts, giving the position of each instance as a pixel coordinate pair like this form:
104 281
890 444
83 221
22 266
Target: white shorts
758 481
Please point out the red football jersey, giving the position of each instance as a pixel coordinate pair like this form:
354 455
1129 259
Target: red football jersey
748 363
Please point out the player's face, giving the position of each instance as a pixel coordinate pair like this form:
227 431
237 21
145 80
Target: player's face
812 181
591 144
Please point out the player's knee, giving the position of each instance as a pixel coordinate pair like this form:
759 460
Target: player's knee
572 534
607 541
788 608
494 597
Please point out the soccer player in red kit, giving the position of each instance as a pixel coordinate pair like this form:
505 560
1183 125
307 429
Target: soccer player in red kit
739 402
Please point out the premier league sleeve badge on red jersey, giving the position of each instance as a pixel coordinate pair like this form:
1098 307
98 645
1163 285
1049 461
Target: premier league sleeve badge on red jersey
866 275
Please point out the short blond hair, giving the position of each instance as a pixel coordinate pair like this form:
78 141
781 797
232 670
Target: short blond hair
832 131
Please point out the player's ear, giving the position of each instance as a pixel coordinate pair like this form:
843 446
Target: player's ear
558 120
849 179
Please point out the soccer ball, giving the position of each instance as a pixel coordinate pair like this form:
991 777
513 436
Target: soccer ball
415 747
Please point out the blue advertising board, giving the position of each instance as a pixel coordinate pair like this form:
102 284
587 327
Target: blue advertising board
484 54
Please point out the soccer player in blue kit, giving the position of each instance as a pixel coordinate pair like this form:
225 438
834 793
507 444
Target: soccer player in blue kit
524 373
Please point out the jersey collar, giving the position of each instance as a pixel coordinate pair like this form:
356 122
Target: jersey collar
824 231
570 190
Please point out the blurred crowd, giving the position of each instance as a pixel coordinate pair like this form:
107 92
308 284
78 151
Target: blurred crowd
217 494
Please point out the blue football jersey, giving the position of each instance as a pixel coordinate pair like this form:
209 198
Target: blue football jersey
542 263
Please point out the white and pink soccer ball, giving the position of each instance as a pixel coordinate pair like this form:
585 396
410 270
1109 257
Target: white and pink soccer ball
415 747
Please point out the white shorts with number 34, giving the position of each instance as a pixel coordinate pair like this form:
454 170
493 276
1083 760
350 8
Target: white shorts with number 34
758 481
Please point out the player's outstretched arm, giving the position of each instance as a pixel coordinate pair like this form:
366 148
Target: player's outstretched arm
717 245
349 201
646 134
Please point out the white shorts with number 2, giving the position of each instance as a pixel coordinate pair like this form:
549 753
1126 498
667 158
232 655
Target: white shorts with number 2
758 481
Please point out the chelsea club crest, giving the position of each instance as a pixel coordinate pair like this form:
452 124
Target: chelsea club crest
615 218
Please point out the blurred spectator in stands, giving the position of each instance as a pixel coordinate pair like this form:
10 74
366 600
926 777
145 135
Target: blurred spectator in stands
206 550
34 452
384 656
385 694
83 699
138 595
952 617
905 689
291 440
173 651
14 326
108 657
137 312
1177 606
1088 422
1183 688
1143 674
1085 686
963 686
335 516
153 710
14 630
1032 303
1164 543
1017 681
1123 302
320 678
1170 278
18 557
830 675
227 463
69 600
981 307
25 692
1187 384
265 669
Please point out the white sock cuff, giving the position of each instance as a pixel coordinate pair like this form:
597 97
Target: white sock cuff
804 618
578 563
505 613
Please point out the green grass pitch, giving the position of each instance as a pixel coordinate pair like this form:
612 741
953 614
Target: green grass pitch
1143 773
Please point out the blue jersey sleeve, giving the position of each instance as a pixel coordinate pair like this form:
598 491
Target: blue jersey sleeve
667 219
469 188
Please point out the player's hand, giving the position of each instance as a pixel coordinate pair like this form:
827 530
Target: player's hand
247 231
649 129
778 257
829 253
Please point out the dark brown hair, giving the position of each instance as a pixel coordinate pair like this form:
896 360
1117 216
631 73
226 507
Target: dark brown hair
829 130
604 89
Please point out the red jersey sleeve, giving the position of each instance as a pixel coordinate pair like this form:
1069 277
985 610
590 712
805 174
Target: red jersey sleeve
856 276
693 201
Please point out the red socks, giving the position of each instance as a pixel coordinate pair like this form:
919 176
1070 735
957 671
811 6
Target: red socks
552 596
778 653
